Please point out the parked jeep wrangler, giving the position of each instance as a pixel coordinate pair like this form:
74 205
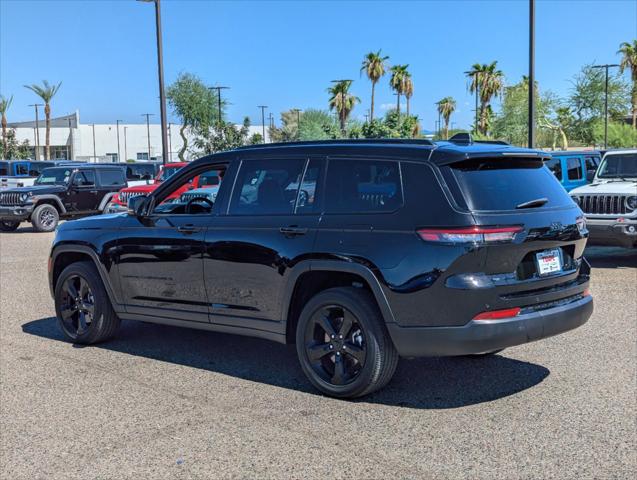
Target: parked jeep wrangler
60 192
396 248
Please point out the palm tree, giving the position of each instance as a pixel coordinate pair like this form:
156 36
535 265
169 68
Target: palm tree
374 65
397 82
408 89
486 82
446 107
5 103
629 60
46 92
342 101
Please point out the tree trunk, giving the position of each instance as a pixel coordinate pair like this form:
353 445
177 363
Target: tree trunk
47 114
183 148
635 104
564 139
343 122
371 112
407 104
4 136
446 128
398 104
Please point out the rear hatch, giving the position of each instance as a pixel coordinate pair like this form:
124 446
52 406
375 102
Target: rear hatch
542 261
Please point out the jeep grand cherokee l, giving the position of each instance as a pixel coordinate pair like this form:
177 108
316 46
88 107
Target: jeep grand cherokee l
397 248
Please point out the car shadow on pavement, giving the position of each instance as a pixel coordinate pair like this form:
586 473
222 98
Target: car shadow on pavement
427 383
611 257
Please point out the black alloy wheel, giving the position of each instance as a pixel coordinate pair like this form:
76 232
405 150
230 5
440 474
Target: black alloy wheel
77 307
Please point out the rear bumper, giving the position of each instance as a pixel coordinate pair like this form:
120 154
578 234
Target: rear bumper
480 336
612 233
15 214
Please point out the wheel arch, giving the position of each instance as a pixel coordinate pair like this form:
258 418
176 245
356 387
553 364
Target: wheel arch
314 276
105 199
51 200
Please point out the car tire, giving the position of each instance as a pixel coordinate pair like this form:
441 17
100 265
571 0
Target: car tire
45 218
8 226
343 345
84 311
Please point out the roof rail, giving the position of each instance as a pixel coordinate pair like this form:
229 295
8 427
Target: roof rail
465 138
350 141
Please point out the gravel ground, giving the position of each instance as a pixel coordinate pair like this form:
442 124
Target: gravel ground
162 402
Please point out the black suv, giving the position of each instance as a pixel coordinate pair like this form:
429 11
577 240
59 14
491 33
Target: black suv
357 251
60 192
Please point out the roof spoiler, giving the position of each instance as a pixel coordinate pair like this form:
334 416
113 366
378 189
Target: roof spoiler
465 138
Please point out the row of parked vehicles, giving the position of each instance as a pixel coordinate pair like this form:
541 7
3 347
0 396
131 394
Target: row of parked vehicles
45 192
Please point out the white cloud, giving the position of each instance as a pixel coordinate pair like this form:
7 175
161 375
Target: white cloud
387 106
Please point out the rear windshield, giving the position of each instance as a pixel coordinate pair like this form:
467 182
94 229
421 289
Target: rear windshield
507 184
619 166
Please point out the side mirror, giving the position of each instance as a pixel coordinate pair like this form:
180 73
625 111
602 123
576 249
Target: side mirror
137 204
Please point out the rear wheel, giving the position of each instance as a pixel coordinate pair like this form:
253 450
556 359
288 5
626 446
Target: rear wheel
84 311
45 218
8 226
343 345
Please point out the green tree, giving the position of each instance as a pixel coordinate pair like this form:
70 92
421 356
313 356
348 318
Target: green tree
46 92
12 149
446 107
586 101
342 101
620 135
193 102
487 82
315 125
374 66
629 60
5 103
408 90
397 82
222 136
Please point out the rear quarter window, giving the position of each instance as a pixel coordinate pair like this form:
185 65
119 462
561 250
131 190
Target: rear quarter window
109 178
503 184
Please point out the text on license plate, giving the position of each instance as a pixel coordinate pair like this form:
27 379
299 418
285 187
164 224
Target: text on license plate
549 261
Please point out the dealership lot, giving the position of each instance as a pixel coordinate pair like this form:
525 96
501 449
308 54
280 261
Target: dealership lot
163 402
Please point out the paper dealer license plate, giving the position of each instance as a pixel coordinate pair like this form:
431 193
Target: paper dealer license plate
549 261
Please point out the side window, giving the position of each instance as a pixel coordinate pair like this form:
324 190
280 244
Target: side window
267 187
308 191
84 178
109 178
574 167
35 168
555 166
592 163
209 179
21 169
185 200
359 186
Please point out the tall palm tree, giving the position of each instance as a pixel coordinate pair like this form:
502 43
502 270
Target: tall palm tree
486 82
46 92
446 107
342 101
408 89
397 82
629 60
5 103
375 66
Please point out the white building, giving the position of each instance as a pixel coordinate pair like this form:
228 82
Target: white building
71 140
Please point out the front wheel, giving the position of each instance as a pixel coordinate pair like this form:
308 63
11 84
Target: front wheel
45 218
343 345
8 226
84 311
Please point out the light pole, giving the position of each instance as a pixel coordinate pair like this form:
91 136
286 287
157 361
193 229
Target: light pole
218 89
119 157
37 129
69 152
271 119
298 122
606 67
531 127
170 140
148 115
94 153
125 149
263 107
160 71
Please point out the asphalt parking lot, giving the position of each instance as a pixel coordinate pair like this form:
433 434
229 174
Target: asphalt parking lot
162 402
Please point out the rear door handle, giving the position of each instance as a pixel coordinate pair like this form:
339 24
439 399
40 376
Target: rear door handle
293 231
188 229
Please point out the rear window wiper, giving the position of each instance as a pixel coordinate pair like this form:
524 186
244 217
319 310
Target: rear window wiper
538 202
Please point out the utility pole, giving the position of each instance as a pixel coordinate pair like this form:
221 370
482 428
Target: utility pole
94 151
160 71
148 115
37 129
69 151
298 122
170 140
218 89
263 107
125 149
271 120
119 157
531 127
606 67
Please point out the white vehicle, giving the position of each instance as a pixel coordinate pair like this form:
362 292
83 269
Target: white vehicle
610 201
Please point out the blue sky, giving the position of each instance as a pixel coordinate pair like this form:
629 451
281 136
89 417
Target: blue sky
284 54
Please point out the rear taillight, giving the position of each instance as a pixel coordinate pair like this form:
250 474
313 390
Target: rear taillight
498 314
469 234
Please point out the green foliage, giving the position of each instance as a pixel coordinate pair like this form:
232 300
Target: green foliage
223 136
315 125
255 139
620 135
342 101
46 91
14 150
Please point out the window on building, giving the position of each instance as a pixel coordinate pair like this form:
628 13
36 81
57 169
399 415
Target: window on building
355 186
574 166
111 177
113 157
142 155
